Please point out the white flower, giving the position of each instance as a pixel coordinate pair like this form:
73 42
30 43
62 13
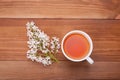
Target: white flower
33 50
45 51
44 62
28 25
40 42
39 59
47 58
55 39
55 44
58 46
36 34
32 23
30 34
34 27
33 58
28 56
28 51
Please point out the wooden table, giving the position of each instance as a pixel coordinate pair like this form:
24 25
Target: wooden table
15 66
85 9
56 18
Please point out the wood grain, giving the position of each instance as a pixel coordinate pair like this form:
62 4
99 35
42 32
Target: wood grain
97 9
64 70
13 47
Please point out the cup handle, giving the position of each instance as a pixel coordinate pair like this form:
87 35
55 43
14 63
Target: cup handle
90 60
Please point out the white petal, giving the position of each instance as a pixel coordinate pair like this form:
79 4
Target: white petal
32 23
28 24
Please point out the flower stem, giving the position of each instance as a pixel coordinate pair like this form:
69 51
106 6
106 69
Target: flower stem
53 57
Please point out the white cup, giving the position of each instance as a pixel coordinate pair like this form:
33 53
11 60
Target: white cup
87 57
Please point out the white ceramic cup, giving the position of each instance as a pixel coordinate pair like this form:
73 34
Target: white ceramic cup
87 57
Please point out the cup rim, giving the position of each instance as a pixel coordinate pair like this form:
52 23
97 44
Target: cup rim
86 36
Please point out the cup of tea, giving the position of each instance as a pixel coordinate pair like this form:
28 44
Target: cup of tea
77 46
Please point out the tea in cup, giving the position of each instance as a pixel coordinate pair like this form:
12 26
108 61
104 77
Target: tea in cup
77 46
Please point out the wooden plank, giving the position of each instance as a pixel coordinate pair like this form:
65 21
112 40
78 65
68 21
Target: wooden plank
97 9
15 66
26 70
105 35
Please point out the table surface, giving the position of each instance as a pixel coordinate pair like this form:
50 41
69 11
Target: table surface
106 53
97 9
99 18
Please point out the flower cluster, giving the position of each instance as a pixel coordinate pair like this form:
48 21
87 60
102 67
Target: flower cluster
42 48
